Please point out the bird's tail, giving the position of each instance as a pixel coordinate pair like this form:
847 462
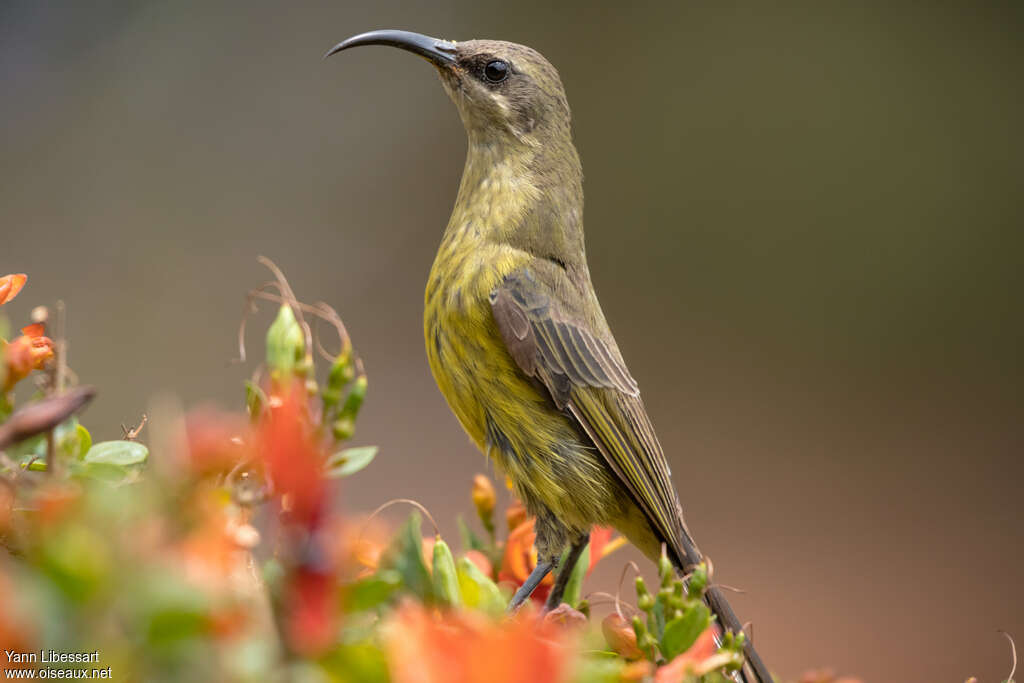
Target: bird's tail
688 556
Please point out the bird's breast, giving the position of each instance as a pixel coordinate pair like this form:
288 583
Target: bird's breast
466 352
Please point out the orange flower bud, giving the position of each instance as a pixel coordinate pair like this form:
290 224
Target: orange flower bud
620 636
484 498
29 352
515 515
565 617
10 285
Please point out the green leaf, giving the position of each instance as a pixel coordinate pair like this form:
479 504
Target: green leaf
372 591
362 661
599 667
405 555
171 611
30 447
99 471
682 632
574 586
69 437
656 620
73 440
350 461
121 453
84 441
78 560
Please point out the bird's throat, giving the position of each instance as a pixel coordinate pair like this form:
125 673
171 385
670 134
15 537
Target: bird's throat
524 196
497 190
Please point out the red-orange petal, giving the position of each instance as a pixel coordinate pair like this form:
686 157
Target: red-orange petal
34 330
10 285
599 537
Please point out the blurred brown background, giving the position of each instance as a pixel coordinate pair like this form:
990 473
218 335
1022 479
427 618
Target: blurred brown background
804 221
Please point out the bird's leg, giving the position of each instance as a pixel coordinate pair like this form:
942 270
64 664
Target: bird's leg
532 581
575 550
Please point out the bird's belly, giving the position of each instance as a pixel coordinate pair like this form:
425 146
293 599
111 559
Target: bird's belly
513 420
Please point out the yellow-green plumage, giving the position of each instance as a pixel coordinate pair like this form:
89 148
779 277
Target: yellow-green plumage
545 456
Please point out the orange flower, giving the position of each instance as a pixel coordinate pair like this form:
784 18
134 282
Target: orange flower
216 442
354 546
466 647
312 615
367 549
600 538
209 552
520 558
28 352
293 459
10 285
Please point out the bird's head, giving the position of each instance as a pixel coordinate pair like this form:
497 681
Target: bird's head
504 91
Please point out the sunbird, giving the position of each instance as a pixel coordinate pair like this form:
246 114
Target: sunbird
515 335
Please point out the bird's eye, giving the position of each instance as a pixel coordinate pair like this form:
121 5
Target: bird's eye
496 71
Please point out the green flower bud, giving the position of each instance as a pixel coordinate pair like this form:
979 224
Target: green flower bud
343 428
446 581
285 342
341 372
698 581
639 627
665 570
354 400
476 588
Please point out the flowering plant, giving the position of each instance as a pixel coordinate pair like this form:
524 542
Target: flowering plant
221 551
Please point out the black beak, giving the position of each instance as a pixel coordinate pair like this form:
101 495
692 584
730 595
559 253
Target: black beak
438 52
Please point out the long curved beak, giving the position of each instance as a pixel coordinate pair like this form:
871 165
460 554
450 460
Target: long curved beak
438 52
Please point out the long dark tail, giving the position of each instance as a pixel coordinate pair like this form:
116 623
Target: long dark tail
688 557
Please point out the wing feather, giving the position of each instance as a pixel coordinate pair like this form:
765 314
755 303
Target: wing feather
587 377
